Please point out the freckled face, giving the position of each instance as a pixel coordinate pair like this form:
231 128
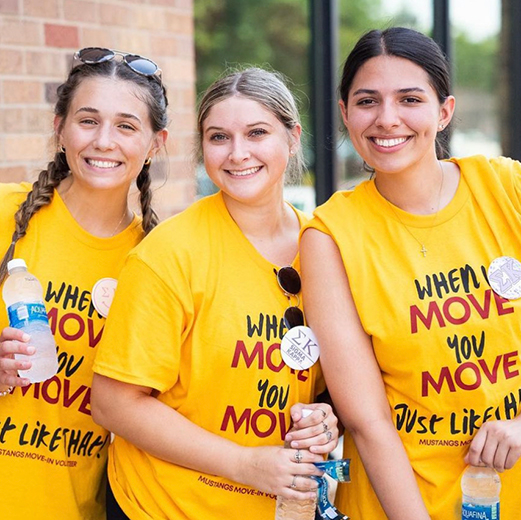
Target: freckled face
107 134
393 114
246 150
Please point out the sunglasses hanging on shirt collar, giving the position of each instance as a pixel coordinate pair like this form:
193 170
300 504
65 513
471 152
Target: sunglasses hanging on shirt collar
289 281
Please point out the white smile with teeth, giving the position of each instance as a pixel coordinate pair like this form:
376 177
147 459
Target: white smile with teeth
388 143
103 164
242 173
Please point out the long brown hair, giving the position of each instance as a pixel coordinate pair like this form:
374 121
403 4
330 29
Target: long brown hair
42 192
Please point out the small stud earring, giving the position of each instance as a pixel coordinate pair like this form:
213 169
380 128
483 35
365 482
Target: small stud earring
292 152
440 126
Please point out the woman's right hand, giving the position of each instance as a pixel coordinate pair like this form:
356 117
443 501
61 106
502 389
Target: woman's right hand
275 470
14 341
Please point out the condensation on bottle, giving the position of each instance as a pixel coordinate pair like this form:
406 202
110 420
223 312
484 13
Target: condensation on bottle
23 297
289 509
480 486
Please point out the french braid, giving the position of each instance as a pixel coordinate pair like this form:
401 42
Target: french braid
143 182
40 195
154 95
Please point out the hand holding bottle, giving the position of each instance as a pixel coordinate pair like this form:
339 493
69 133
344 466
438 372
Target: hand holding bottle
14 341
497 445
276 470
23 296
316 430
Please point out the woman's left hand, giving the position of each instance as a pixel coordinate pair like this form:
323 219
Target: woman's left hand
317 432
497 445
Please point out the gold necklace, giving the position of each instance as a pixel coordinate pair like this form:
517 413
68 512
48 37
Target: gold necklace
423 249
125 211
119 223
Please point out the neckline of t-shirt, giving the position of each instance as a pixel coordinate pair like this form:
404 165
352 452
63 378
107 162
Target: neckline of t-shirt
382 205
71 226
243 241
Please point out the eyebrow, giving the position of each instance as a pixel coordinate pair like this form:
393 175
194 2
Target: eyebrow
248 125
399 91
92 110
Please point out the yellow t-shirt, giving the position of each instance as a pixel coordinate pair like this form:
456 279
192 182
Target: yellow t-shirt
198 317
52 455
447 346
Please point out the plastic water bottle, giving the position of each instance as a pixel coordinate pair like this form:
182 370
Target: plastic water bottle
291 509
481 486
23 297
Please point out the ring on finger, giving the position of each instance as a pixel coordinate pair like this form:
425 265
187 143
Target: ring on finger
325 426
329 436
294 482
324 414
298 457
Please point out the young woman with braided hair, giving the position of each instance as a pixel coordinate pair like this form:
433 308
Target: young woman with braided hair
73 227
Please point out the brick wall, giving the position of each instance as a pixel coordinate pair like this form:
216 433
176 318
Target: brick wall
37 40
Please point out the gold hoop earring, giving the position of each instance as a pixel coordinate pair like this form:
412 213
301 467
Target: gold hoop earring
61 149
148 162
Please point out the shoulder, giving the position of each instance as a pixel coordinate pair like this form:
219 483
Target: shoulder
181 235
14 191
479 164
342 202
11 196
499 171
334 210
199 214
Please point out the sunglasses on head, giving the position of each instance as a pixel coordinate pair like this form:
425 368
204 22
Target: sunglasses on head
139 64
289 281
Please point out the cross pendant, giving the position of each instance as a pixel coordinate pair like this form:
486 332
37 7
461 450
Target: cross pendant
423 250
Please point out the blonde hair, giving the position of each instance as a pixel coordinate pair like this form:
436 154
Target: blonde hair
267 88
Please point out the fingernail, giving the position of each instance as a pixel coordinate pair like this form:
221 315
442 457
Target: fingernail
294 444
288 437
25 337
31 350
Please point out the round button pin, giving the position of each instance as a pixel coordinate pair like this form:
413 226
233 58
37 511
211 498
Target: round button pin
299 348
103 294
504 276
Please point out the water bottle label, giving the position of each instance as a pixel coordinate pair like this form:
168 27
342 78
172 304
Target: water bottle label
337 469
325 508
21 313
475 512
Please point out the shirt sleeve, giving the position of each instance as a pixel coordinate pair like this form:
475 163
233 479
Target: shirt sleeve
147 325
509 171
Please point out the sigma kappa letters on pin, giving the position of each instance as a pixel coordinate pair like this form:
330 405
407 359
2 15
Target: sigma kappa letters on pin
299 348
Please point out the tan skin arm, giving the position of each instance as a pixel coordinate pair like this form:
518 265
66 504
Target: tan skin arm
353 378
132 412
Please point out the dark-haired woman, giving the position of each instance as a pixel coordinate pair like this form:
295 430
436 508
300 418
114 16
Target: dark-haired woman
410 297
73 227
